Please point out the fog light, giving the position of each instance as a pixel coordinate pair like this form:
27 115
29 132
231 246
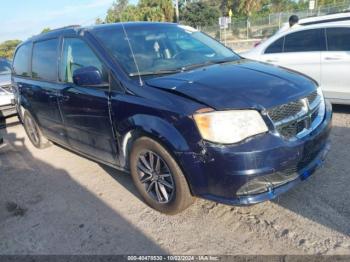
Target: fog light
266 183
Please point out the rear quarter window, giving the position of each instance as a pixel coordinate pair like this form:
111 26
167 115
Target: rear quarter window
275 47
21 60
44 61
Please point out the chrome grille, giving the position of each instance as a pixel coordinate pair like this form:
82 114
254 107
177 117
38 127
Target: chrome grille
298 118
312 97
285 111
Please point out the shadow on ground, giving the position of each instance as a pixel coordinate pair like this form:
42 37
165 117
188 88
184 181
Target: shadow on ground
44 211
325 197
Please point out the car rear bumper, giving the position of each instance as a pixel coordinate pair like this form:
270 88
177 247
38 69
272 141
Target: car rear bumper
232 174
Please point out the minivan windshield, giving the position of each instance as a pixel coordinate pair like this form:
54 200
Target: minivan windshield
161 48
5 67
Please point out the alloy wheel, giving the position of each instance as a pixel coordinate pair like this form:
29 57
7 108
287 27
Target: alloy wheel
156 177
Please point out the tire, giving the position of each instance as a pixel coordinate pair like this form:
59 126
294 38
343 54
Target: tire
33 132
166 175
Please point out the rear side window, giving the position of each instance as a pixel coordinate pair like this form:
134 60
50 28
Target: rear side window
21 61
275 47
44 63
338 39
305 41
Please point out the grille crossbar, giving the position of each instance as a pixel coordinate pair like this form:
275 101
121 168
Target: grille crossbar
298 118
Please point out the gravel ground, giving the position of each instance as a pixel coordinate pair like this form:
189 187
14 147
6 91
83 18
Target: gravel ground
53 201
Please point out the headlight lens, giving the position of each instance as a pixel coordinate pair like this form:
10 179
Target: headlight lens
228 127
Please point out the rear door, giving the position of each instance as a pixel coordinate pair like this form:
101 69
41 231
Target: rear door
85 109
336 64
44 88
300 51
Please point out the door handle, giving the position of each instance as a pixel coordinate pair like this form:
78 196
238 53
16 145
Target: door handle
272 60
333 58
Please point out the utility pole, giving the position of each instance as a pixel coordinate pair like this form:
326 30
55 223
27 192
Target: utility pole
177 10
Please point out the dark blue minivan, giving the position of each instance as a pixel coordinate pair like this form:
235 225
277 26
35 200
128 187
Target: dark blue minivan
184 114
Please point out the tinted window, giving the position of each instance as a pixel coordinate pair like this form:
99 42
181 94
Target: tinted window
77 54
21 60
338 39
305 41
44 64
275 47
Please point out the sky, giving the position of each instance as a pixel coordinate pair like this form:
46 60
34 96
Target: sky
21 19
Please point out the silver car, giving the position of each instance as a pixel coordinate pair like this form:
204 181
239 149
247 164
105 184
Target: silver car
321 51
7 104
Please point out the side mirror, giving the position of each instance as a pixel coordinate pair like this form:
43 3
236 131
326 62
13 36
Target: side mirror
87 76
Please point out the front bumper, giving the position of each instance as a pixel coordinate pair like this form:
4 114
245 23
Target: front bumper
222 171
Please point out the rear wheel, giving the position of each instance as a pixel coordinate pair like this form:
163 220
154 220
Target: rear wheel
33 132
158 177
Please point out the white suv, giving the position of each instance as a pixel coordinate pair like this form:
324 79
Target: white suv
7 104
321 51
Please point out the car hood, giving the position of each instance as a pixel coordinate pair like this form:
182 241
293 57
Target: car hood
5 79
237 85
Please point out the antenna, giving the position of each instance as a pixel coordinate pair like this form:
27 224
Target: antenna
133 55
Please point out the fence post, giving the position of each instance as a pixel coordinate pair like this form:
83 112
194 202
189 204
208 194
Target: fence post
247 28
279 20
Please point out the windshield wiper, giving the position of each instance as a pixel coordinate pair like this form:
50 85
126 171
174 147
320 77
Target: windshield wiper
212 62
182 69
159 72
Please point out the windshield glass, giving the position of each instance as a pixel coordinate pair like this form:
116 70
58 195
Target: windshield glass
5 67
161 48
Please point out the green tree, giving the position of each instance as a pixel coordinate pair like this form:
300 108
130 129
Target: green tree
45 30
131 13
146 10
246 7
277 6
115 11
8 47
99 21
329 2
154 7
200 14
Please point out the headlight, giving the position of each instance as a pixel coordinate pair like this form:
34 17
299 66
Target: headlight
228 127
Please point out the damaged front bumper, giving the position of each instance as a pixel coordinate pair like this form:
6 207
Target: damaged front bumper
258 170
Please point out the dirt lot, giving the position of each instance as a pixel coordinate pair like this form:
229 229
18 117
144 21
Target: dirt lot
55 202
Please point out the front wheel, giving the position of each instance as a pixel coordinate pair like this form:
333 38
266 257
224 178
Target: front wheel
158 177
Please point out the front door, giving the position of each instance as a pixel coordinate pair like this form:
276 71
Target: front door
85 109
335 71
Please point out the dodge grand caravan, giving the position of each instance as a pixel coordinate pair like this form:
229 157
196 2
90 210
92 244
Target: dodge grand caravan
185 115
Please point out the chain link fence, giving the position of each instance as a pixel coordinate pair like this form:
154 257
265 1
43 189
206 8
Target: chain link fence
242 34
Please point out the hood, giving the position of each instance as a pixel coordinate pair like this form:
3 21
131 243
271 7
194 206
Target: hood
5 80
238 85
